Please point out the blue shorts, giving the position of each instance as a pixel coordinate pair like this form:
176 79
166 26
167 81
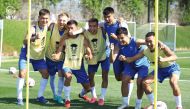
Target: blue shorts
22 64
131 70
53 66
38 64
167 72
118 67
105 65
80 74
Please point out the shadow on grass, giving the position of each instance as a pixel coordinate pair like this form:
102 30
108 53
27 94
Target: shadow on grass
75 104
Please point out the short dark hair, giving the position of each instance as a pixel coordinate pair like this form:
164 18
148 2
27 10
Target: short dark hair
150 34
44 12
93 20
122 30
108 10
70 22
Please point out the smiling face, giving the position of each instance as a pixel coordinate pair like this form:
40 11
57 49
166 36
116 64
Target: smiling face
150 42
123 39
43 20
93 27
62 21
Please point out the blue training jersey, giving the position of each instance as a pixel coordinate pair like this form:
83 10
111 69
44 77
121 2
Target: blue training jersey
131 50
111 29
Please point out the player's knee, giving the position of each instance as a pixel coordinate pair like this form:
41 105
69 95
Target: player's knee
145 83
68 76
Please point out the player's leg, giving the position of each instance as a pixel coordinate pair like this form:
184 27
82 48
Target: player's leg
118 68
142 73
40 65
60 82
174 85
105 65
51 66
67 86
82 78
124 91
147 88
20 80
126 77
92 69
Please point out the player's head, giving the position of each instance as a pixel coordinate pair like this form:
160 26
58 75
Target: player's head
43 17
108 15
72 25
63 18
93 25
122 35
149 38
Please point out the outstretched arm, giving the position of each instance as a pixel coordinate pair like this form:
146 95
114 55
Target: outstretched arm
134 58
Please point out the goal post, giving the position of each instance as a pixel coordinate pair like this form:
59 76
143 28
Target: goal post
166 33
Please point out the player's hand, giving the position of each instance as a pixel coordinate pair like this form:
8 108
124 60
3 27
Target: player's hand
113 36
160 59
112 46
122 58
88 57
128 59
55 56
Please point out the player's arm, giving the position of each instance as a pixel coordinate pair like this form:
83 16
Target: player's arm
134 58
62 45
113 53
78 31
140 42
88 54
170 55
33 36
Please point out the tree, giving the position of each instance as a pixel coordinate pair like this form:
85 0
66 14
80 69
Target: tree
95 6
5 4
132 8
185 11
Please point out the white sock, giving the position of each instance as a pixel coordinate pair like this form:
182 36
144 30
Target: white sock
52 84
43 84
103 93
83 92
130 87
20 84
67 90
93 91
151 98
125 101
60 86
178 101
138 103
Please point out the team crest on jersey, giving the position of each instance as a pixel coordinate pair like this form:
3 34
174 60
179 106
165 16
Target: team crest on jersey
74 51
95 45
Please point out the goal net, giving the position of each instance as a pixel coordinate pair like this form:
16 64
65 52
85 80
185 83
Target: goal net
166 33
